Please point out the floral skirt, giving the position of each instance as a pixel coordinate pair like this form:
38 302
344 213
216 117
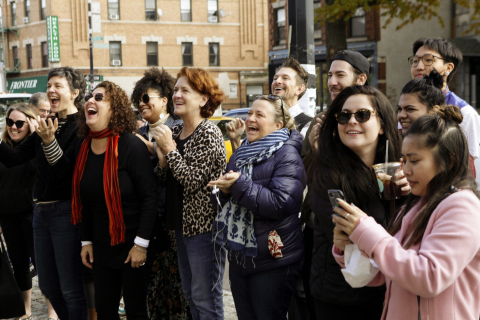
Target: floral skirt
165 298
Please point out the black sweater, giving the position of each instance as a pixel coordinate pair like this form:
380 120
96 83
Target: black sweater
138 192
49 186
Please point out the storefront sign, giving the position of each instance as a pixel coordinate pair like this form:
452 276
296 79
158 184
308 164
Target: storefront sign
27 85
53 39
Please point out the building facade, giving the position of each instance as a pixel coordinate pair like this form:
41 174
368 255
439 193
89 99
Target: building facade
227 37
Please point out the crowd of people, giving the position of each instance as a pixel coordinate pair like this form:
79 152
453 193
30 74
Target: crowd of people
105 205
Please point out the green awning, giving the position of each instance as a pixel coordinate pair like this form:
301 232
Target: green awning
27 85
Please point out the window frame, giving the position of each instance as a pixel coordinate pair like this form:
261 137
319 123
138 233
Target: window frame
44 54
43 10
29 56
276 33
118 9
214 14
156 53
210 45
119 54
15 53
27 8
183 55
190 11
154 11
13 13
350 24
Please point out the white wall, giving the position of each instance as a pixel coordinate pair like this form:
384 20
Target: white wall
396 46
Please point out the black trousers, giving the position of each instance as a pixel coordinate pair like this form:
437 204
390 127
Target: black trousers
109 283
18 233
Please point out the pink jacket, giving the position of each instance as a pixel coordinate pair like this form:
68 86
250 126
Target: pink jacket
444 269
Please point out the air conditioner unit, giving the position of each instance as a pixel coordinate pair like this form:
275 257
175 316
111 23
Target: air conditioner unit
116 62
26 19
114 16
213 19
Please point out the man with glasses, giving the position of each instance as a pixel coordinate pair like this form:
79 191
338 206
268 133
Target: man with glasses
443 56
40 104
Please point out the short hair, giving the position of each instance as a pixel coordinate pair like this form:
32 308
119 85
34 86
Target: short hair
302 74
158 80
23 108
445 48
427 89
288 123
123 117
37 98
75 80
202 81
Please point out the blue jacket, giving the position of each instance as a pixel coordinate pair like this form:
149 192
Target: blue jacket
274 195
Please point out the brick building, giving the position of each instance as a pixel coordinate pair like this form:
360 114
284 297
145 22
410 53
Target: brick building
227 37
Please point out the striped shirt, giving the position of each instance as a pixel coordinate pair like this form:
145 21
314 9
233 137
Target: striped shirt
53 152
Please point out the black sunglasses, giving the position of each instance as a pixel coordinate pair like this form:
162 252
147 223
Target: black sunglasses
18 123
98 96
361 116
146 98
275 98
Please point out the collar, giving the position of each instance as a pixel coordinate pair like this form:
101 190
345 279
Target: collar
295 110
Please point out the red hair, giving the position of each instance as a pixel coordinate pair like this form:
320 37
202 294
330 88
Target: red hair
202 81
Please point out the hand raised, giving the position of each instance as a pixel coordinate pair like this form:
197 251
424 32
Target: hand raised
46 130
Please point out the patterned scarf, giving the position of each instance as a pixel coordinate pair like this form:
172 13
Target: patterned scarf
237 221
110 184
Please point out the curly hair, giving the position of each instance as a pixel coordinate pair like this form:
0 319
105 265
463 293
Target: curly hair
23 108
123 117
158 80
202 81
75 80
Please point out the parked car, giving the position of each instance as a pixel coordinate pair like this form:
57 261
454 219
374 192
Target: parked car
6 100
222 122
238 113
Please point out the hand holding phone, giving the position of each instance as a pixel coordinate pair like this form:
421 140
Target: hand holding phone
333 195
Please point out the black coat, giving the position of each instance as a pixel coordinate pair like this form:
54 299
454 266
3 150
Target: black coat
274 195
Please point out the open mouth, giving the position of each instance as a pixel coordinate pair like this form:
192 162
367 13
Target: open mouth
91 111
54 101
252 129
278 90
405 124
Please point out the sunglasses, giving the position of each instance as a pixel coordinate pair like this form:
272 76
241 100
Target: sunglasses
98 96
18 123
146 98
361 116
427 60
275 98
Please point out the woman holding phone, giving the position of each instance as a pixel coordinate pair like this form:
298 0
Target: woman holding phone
352 139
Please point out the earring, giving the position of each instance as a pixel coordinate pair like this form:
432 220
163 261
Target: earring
161 116
448 73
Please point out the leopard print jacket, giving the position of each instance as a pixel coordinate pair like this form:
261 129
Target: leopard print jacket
205 159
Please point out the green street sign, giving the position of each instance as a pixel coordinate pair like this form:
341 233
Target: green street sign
53 39
97 38
101 45
27 85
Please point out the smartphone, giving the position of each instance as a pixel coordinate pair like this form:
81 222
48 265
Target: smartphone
333 195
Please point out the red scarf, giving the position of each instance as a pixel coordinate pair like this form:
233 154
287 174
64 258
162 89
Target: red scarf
110 184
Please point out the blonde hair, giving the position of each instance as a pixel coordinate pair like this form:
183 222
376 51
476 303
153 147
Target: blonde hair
23 108
288 123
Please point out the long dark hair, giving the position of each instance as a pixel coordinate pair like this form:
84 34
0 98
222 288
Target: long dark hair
428 90
441 134
336 165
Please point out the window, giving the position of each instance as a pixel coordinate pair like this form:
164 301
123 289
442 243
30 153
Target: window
280 34
115 53
44 55
212 10
27 9
357 24
1 18
186 10
29 57
214 54
151 10
43 6
252 93
317 27
14 13
152 53
15 56
113 9
187 54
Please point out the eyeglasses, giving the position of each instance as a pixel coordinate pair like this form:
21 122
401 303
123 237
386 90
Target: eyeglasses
18 123
275 98
98 96
146 98
427 60
361 116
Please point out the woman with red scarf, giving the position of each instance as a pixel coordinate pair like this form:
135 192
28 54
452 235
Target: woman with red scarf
115 199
